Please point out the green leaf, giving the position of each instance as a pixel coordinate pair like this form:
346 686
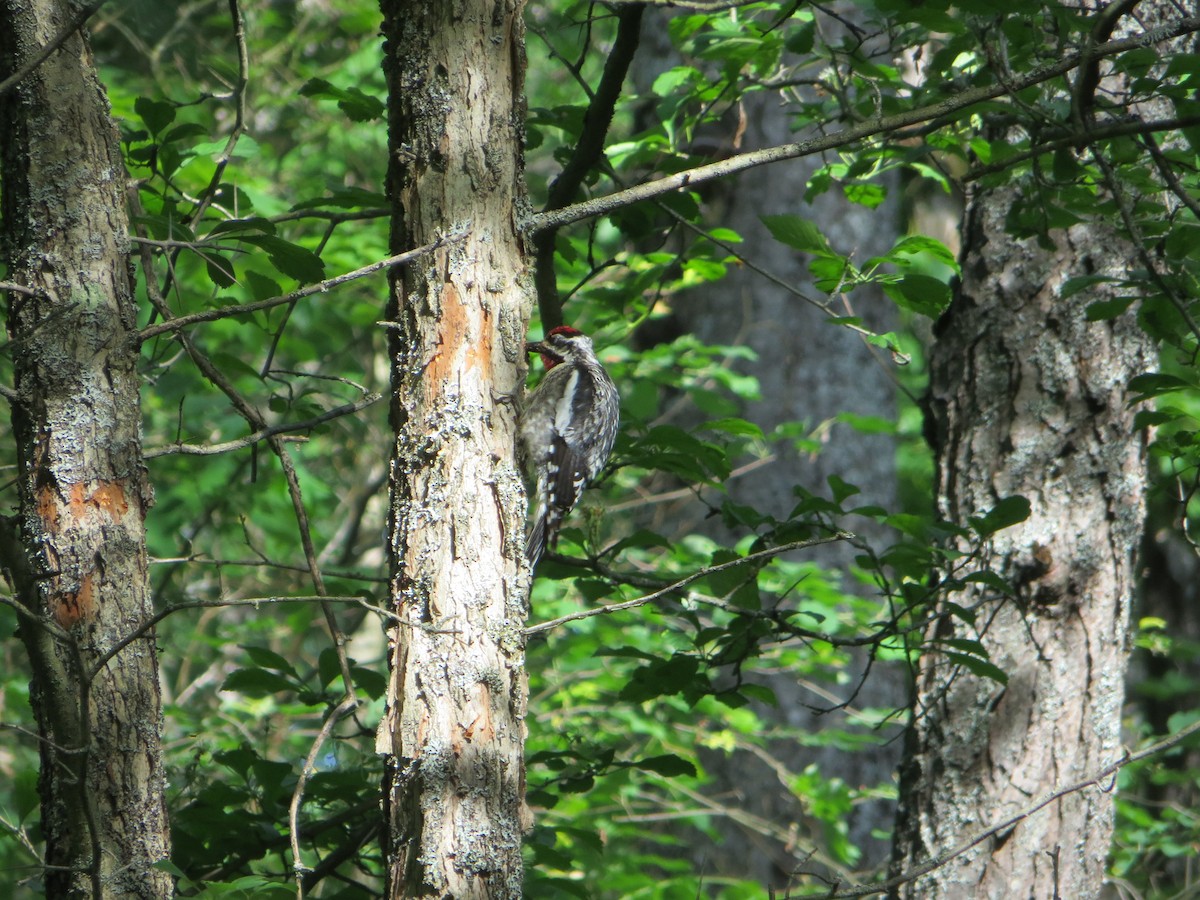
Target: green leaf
1155 384
247 886
867 424
245 148
841 489
643 539
290 259
358 106
800 39
328 666
704 269
577 784
738 584
961 612
262 287
725 235
343 198
1008 512
915 244
921 294
865 193
670 677
668 764
990 579
256 682
1148 418
165 865
626 653
831 272
739 427
966 645
255 224
761 693
370 682
672 449
157 114
797 233
981 667
1108 309
184 132
219 268
268 659
671 80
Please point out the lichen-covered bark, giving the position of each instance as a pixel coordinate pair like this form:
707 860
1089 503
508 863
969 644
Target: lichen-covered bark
1028 397
453 733
76 553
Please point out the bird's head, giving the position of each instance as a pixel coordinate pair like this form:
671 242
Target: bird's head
560 345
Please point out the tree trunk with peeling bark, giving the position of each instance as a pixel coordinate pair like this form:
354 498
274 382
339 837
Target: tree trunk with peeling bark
453 733
1027 397
75 556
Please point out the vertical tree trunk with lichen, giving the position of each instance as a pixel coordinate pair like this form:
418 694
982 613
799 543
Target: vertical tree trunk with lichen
453 733
75 555
1028 397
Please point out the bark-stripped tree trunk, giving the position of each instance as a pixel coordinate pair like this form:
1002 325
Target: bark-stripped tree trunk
453 734
1027 397
76 555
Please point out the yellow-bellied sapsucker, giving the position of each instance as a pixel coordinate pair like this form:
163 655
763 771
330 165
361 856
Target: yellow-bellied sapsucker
567 430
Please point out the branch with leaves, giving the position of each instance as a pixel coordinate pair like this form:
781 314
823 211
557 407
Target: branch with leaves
942 110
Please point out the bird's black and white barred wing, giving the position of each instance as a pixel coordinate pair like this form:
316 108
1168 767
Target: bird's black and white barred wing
577 408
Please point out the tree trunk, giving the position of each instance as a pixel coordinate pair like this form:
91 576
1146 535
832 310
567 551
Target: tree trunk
76 556
453 733
1028 397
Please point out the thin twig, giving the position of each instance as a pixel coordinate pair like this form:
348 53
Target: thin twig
239 114
19 289
1008 822
1080 139
1167 170
1139 243
145 626
210 315
229 446
257 421
339 712
760 556
22 837
697 5
197 560
684 493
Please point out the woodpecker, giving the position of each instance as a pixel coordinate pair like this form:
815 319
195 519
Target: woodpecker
567 430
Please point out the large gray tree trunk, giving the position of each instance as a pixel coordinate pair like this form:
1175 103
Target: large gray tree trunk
1028 398
76 554
453 734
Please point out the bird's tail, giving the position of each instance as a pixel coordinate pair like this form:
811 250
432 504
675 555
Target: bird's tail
545 528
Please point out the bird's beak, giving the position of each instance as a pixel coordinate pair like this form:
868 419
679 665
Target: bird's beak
535 347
